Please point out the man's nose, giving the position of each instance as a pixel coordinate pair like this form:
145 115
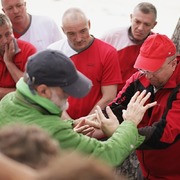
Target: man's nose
15 9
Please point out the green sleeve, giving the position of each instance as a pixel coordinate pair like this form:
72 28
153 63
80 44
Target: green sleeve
125 140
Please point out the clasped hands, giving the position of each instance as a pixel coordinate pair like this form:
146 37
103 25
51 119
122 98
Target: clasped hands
136 108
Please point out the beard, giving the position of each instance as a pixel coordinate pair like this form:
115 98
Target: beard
62 103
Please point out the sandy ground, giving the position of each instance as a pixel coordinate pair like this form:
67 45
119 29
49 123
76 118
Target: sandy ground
106 14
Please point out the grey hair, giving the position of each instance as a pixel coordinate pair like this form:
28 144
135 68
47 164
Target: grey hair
146 8
4 20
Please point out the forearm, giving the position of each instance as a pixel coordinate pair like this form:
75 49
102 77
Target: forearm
15 72
102 103
4 91
108 94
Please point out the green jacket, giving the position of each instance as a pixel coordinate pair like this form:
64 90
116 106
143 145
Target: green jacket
23 106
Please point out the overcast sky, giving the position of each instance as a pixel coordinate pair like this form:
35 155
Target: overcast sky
106 14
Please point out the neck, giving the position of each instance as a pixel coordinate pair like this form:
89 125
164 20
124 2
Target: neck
131 37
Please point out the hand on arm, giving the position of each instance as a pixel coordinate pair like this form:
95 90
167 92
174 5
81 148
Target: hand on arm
92 121
83 128
86 125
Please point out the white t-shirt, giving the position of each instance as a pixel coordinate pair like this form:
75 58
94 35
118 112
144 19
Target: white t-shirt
42 32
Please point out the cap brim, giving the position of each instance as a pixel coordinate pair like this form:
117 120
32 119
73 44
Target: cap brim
80 87
148 64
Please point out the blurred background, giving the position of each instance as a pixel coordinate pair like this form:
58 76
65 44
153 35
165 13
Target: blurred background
106 14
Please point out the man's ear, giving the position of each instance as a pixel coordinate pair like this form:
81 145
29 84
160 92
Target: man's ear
89 24
63 30
174 64
43 91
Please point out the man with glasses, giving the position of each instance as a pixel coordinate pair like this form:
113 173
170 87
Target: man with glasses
38 30
159 74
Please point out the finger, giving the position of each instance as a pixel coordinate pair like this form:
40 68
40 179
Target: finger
95 124
90 134
81 123
88 130
141 96
150 105
134 97
91 116
100 113
144 97
12 47
98 118
81 129
124 113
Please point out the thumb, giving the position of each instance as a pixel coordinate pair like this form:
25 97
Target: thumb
81 123
124 114
109 112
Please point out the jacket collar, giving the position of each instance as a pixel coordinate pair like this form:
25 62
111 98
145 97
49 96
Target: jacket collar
36 100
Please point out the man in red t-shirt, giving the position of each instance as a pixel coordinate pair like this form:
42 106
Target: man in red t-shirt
128 40
94 58
13 56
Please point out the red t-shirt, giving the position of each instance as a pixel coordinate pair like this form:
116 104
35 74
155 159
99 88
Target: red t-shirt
99 63
20 59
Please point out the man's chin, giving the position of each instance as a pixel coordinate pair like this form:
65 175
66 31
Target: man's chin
65 107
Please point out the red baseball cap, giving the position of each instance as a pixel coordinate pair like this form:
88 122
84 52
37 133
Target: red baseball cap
154 51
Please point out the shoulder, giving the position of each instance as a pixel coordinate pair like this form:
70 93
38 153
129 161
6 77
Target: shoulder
103 45
115 32
58 44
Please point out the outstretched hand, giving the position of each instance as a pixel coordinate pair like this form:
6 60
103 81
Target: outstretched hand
108 125
136 108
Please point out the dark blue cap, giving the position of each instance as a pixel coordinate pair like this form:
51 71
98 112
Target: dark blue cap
54 69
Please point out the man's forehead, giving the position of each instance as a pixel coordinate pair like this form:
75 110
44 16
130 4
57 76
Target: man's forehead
11 2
